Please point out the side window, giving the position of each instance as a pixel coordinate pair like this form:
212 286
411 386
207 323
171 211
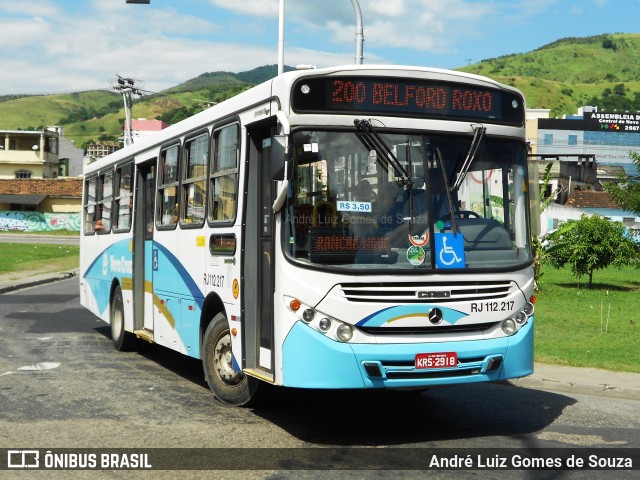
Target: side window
168 187
194 181
123 197
105 202
223 178
90 204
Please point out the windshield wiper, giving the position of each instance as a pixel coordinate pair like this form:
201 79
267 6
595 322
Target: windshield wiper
373 141
478 134
443 169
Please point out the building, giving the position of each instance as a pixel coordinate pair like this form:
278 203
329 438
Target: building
586 150
47 195
41 204
588 135
29 154
70 157
99 150
141 127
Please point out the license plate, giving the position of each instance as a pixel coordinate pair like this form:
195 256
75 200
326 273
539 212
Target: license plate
437 360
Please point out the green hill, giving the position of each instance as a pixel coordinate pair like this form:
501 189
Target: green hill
602 70
99 115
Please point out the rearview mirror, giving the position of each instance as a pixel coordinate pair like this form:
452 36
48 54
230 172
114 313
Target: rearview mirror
277 156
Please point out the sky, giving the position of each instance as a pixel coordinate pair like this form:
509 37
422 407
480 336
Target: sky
60 46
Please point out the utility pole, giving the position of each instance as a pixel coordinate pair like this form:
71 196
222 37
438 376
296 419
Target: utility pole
127 87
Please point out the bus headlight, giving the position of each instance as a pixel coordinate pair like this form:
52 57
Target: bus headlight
521 318
509 326
330 327
344 332
528 309
308 315
324 324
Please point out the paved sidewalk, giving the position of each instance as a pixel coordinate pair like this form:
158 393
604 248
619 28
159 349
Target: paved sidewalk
588 381
19 280
556 378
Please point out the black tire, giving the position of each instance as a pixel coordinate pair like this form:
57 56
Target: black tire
228 385
122 340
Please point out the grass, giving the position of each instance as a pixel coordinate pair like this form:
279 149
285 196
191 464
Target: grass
589 327
37 258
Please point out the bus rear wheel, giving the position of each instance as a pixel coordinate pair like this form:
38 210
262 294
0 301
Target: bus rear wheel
122 340
227 384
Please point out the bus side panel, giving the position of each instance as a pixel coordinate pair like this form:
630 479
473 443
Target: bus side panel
170 278
190 253
114 262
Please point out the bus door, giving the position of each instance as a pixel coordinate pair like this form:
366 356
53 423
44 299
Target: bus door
143 252
258 245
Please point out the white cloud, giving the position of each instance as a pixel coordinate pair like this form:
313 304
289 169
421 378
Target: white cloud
17 33
64 45
29 8
261 8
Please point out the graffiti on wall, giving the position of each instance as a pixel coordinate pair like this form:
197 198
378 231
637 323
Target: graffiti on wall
39 222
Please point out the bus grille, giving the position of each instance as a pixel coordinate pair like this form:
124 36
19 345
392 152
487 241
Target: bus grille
439 329
425 292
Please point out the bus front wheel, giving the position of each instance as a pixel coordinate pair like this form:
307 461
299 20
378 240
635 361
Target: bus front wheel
122 340
227 384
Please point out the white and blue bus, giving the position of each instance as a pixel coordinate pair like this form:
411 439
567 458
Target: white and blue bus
357 227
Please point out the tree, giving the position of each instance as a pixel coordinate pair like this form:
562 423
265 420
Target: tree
627 195
591 243
536 244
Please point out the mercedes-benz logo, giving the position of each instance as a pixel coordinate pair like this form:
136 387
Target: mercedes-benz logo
435 316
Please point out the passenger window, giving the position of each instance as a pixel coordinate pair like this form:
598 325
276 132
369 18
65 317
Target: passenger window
194 183
90 205
103 221
168 187
123 199
223 179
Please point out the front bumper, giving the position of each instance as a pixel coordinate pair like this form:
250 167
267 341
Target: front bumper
310 360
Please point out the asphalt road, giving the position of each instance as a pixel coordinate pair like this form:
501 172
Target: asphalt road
62 385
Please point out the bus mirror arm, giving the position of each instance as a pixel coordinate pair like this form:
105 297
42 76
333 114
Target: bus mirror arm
281 197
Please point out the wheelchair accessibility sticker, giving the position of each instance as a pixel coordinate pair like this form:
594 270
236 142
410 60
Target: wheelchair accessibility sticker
449 250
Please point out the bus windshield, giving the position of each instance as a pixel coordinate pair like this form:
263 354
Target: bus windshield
394 201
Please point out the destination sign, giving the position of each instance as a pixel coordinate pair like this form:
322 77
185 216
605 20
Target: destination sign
331 245
407 97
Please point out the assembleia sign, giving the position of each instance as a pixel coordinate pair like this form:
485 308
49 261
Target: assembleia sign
595 122
622 122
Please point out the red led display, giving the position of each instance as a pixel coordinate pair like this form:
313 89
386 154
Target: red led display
408 97
336 246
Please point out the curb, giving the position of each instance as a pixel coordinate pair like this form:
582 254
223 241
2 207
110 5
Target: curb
602 390
20 284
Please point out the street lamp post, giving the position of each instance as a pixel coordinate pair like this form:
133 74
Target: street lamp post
281 38
359 33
